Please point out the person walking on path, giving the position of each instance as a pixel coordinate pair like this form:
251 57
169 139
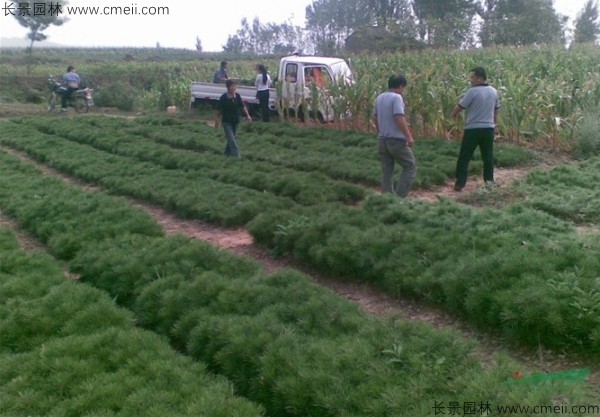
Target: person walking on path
263 81
228 114
394 138
481 102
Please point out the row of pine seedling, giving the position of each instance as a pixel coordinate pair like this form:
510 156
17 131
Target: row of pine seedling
66 349
515 270
284 343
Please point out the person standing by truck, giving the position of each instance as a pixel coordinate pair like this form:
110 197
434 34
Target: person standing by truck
263 82
221 74
228 114
395 138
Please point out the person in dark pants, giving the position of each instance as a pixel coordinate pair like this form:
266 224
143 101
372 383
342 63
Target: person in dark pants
481 103
71 83
263 82
228 114
394 138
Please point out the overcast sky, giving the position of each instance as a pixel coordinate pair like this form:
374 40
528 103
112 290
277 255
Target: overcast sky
211 21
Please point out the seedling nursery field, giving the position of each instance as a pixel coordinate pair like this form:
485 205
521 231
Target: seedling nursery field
158 325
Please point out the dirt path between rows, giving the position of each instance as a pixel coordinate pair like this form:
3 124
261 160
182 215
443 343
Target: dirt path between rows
371 300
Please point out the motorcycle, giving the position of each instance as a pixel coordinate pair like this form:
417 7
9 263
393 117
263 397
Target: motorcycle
80 99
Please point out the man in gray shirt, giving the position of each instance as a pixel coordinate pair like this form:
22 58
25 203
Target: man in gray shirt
481 103
395 139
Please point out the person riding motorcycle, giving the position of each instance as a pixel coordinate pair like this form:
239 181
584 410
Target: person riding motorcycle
71 83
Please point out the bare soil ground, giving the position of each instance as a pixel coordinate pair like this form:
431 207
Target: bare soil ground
373 301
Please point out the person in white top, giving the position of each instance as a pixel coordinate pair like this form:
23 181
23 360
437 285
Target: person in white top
263 82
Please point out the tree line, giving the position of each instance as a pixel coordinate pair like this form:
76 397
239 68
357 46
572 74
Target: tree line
334 26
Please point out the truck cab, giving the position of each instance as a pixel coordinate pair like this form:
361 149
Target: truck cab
305 79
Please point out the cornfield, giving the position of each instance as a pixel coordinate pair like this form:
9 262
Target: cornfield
544 90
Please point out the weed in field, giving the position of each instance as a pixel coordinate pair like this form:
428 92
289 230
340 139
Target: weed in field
587 135
117 94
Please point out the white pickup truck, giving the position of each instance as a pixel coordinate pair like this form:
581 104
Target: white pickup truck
300 79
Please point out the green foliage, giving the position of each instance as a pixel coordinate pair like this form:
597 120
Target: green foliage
165 93
340 241
280 160
51 203
285 342
122 77
264 39
556 83
587 135
117 94
136 140
371 242
37 23
150 100
66 309
522 23
587 26
143 260
189 195
369 39
416 248
569 192
117 372
67 350
445 24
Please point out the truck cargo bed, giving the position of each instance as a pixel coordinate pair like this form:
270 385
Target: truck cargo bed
201 91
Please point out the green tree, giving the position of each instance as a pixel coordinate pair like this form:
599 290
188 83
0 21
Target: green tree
521 22
587 27
37 17
375 39
269 38
445 23
331 22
